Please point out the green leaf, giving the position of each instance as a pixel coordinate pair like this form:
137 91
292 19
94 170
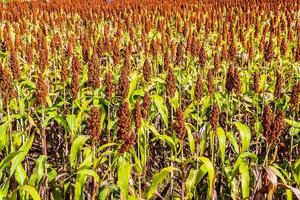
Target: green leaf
124 176
222 142
79 186
20 174
31 190
21 156
296 171
211 174
71 121
190 182
103 195
16 161
233 141
161 107
175 101
163 137
3 135
189 110
52 173
240 160
134 76
90 173
38 171
76 148
88 156
106 146
195 176
190 138
245 135
206 104
4 189
158 178
7 159
290 122
25 147
245 179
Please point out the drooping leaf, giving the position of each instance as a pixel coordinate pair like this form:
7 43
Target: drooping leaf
79 185
76 148
20 174
233 141
240 160
16 161
191 138
38 172
161 107
158 178
103 195
24 149
195 176
211 174
4 189
124 172
31 190
7 159
90 173
163 137
245 179
222 142
245 135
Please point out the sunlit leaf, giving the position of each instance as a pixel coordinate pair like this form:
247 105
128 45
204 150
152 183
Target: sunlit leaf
158 178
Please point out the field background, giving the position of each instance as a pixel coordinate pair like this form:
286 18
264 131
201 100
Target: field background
150 99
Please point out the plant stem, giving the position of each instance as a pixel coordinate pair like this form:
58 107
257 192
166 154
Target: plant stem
182 171
292 140
172 153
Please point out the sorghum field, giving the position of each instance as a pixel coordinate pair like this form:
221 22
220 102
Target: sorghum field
149 99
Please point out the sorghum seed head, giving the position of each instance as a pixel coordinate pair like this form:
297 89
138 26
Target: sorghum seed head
94 123
14 65
214 118
42 89
147 70
202 56
278 126
124 121
237 82
267 122
295 96
269 51
278 86
232 51
256 79
108 85
64 71
180 124
6 86
94 71
198 89
230 83
210 82
217 61
146 105
138 115
171 83
123 87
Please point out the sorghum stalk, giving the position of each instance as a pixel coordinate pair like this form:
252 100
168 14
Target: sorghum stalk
109 87
238 90
294 108
138 122
214 121
94 71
